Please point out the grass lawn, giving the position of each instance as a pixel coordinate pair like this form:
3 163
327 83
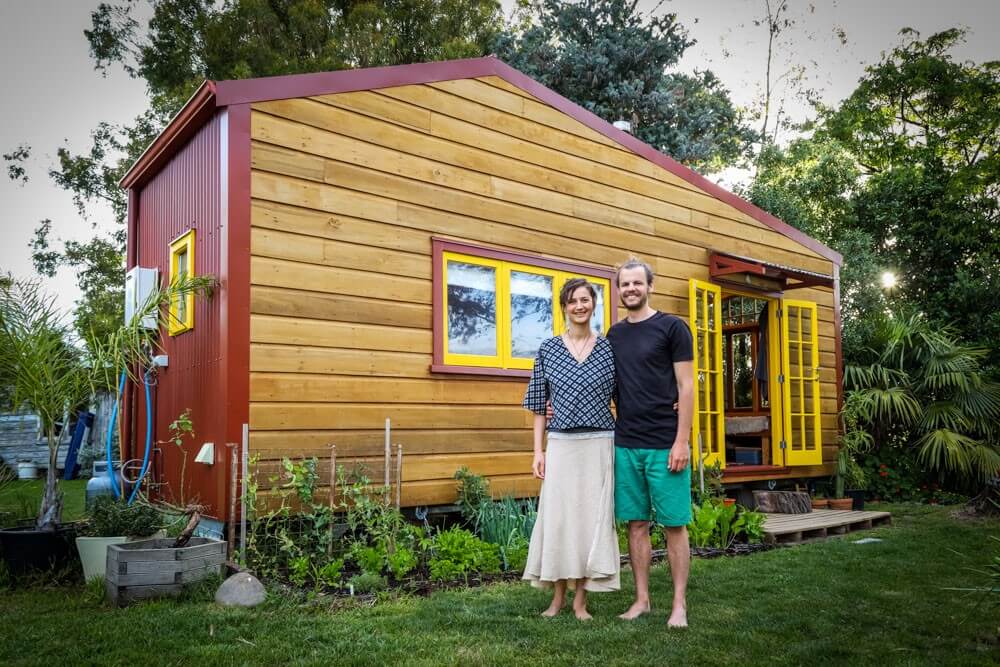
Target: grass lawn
825 602
28 494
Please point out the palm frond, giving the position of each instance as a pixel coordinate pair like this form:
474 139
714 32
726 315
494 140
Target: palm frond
944 414
944 449
895 404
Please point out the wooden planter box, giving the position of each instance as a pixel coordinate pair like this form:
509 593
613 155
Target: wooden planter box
153 568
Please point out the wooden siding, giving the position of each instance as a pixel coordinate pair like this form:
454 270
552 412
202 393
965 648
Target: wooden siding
348 190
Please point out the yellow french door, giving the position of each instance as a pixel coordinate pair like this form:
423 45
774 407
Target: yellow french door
800 383
708 436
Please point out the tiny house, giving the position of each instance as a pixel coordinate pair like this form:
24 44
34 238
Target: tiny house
390 242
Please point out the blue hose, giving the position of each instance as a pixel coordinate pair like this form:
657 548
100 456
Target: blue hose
111 431
149 434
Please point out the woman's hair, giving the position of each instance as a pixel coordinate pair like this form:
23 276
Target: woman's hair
571 286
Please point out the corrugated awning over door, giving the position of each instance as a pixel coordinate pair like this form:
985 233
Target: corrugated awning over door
762 276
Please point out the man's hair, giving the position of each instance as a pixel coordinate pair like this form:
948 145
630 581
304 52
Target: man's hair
634 263
571 286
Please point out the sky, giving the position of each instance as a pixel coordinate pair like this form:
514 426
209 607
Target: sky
53 97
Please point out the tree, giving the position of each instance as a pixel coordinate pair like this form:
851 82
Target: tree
613 60
925 130
920 389
187 41
811 184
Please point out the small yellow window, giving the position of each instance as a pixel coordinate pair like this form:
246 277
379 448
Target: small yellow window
181 311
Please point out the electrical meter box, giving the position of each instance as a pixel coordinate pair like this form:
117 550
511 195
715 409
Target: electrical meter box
140 283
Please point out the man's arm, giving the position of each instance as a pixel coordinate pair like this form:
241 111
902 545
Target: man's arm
680 452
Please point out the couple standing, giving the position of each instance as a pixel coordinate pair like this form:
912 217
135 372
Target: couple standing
596 469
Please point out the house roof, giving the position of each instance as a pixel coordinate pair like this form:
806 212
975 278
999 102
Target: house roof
215 95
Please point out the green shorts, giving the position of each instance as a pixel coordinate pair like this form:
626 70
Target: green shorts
643 482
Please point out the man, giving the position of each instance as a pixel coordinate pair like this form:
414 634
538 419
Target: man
653 360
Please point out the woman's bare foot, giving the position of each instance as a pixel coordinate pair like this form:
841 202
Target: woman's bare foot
637 609
678 618
582 614
554 608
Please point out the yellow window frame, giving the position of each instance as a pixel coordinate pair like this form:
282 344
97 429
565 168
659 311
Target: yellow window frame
181 256
708 443
503 359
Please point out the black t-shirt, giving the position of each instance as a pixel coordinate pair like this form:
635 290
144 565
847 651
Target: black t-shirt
645 353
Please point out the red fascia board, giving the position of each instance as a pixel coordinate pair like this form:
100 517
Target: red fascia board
195 113
246 91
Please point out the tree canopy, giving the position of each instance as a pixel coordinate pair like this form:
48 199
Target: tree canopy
617 62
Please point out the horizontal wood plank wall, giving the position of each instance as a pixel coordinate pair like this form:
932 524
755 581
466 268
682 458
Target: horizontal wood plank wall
348 190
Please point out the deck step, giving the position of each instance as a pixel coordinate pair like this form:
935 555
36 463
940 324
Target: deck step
819 524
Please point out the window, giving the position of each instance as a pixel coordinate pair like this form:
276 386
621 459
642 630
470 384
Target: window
494 308
181 312
741 353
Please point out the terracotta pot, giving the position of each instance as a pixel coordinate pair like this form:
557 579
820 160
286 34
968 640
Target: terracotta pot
729 502
820 503
841 503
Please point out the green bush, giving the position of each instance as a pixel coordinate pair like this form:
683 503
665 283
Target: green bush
458 553
368 583
111 517
715 524
401 562
473 492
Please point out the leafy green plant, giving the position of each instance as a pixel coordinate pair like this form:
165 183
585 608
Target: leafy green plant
473 493
401 562
298 570
704 522
178 430
753 525
498 521
456 552
369 559
515 554
330 573
112 517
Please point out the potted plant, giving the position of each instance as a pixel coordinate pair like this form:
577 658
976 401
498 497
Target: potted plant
113 521
855 442
43 362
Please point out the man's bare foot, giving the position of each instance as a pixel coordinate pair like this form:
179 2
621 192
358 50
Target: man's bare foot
678 619
582 614
635 611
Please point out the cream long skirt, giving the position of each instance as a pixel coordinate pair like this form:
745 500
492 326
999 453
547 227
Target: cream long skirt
574 535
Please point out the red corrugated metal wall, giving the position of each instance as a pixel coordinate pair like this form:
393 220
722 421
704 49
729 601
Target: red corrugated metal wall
187 194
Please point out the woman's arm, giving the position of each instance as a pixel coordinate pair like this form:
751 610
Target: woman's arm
538 464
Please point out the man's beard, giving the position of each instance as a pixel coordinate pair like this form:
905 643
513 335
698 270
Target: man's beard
639 305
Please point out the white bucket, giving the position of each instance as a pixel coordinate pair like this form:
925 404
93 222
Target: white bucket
27 470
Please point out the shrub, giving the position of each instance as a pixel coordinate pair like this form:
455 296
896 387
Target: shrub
368 583
473 493
401 562
111 517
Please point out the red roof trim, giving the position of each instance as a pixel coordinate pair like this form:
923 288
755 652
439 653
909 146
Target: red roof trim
195 113
247 91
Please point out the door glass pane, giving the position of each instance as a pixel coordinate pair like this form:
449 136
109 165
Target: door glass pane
472 309
597 319
742 371
530 312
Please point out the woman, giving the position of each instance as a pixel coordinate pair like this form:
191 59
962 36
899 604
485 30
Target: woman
573 544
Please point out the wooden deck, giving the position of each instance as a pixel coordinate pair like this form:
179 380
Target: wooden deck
818 524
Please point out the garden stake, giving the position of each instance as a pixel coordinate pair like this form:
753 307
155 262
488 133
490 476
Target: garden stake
388 458
233 470
333 492
244 463
399 472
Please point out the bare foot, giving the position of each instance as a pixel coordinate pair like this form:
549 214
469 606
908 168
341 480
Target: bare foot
553 610
635 611
582 614
678 619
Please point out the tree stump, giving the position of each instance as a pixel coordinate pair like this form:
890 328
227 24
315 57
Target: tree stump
783 502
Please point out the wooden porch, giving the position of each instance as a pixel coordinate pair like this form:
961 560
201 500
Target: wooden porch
818 524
